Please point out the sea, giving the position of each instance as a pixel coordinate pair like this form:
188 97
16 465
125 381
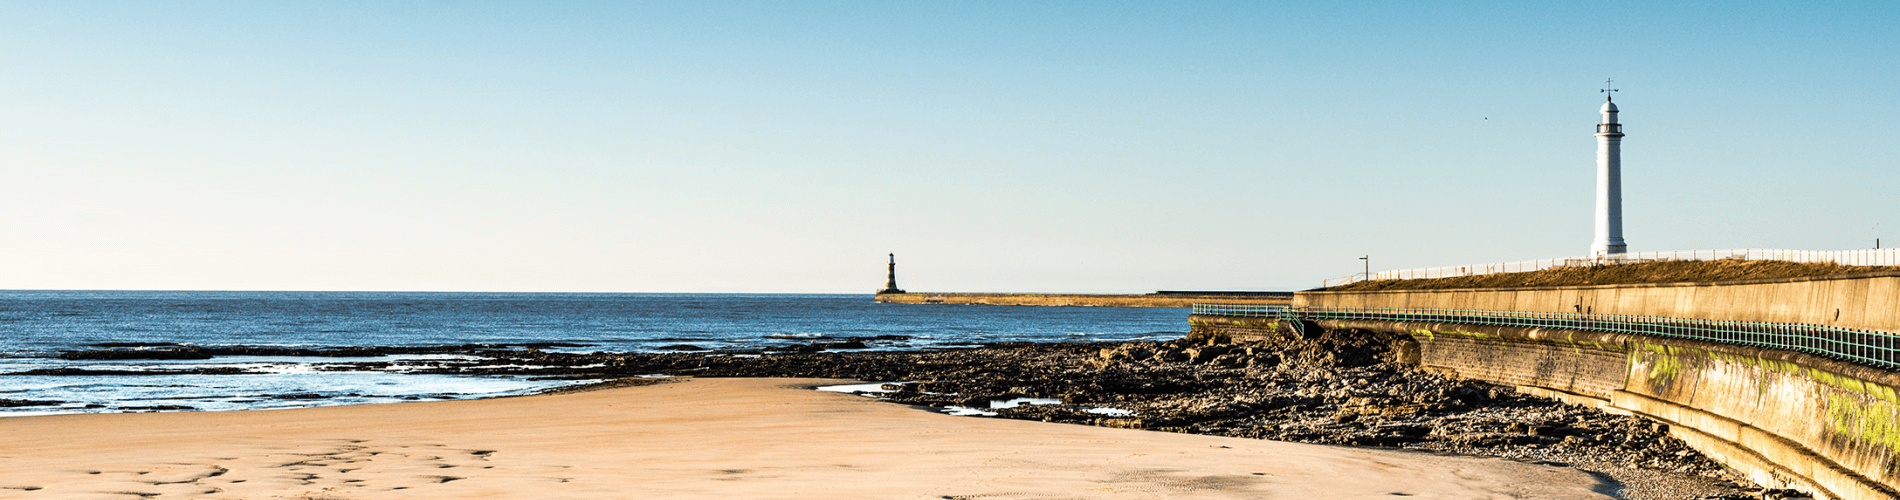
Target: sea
37 326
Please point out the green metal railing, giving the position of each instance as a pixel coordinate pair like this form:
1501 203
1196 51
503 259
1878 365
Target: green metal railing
1867 347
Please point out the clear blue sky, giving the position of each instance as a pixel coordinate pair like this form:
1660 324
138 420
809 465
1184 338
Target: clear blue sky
787 146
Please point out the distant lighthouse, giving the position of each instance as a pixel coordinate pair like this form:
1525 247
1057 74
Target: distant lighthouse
1609 216
890 283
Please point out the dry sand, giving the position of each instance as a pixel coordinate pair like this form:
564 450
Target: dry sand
703 438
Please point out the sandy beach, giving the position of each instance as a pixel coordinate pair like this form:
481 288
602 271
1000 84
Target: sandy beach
704 438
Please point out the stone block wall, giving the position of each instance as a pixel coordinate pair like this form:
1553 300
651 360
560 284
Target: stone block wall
1587 371
1222 329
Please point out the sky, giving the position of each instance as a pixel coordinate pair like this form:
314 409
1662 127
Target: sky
767 147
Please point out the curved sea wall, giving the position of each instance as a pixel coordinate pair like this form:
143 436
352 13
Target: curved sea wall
1869 301
1785 419
1060 299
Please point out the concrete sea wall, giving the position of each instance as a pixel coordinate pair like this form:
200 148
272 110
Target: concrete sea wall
1863 301
1053 299
1783 418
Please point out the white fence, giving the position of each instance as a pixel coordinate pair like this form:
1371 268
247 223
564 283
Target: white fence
1876 257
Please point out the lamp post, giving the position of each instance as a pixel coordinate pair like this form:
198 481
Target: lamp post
1368 260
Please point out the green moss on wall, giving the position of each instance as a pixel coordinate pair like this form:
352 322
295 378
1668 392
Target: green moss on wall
1876 423
1664 363
1432 335
1863 411
1879 391
1577 345
1474 335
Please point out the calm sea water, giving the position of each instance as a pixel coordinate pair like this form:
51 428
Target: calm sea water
35 326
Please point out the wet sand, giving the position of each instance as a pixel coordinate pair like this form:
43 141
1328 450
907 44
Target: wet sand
704 438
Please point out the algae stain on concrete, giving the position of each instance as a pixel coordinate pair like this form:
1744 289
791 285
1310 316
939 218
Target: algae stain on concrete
1831 379
1432 335
1875 424
1664 363
1862 411
1474 335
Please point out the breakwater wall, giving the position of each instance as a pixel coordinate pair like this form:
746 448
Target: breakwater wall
1783 418
1099 300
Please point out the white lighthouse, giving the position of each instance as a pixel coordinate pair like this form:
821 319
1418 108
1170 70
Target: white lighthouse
1609 235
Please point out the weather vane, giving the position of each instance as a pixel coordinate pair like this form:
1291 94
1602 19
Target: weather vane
1606 88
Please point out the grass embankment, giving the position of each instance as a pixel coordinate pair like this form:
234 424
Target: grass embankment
1620 274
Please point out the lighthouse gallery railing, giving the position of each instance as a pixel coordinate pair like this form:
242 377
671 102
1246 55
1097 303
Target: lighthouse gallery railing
1867 347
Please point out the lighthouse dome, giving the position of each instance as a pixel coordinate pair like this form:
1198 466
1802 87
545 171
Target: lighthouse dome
1608 107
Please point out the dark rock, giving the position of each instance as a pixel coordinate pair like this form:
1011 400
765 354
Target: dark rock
549 345
118 354
80 372
133 344
208 352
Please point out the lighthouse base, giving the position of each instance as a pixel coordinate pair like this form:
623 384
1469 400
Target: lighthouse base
1605 250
